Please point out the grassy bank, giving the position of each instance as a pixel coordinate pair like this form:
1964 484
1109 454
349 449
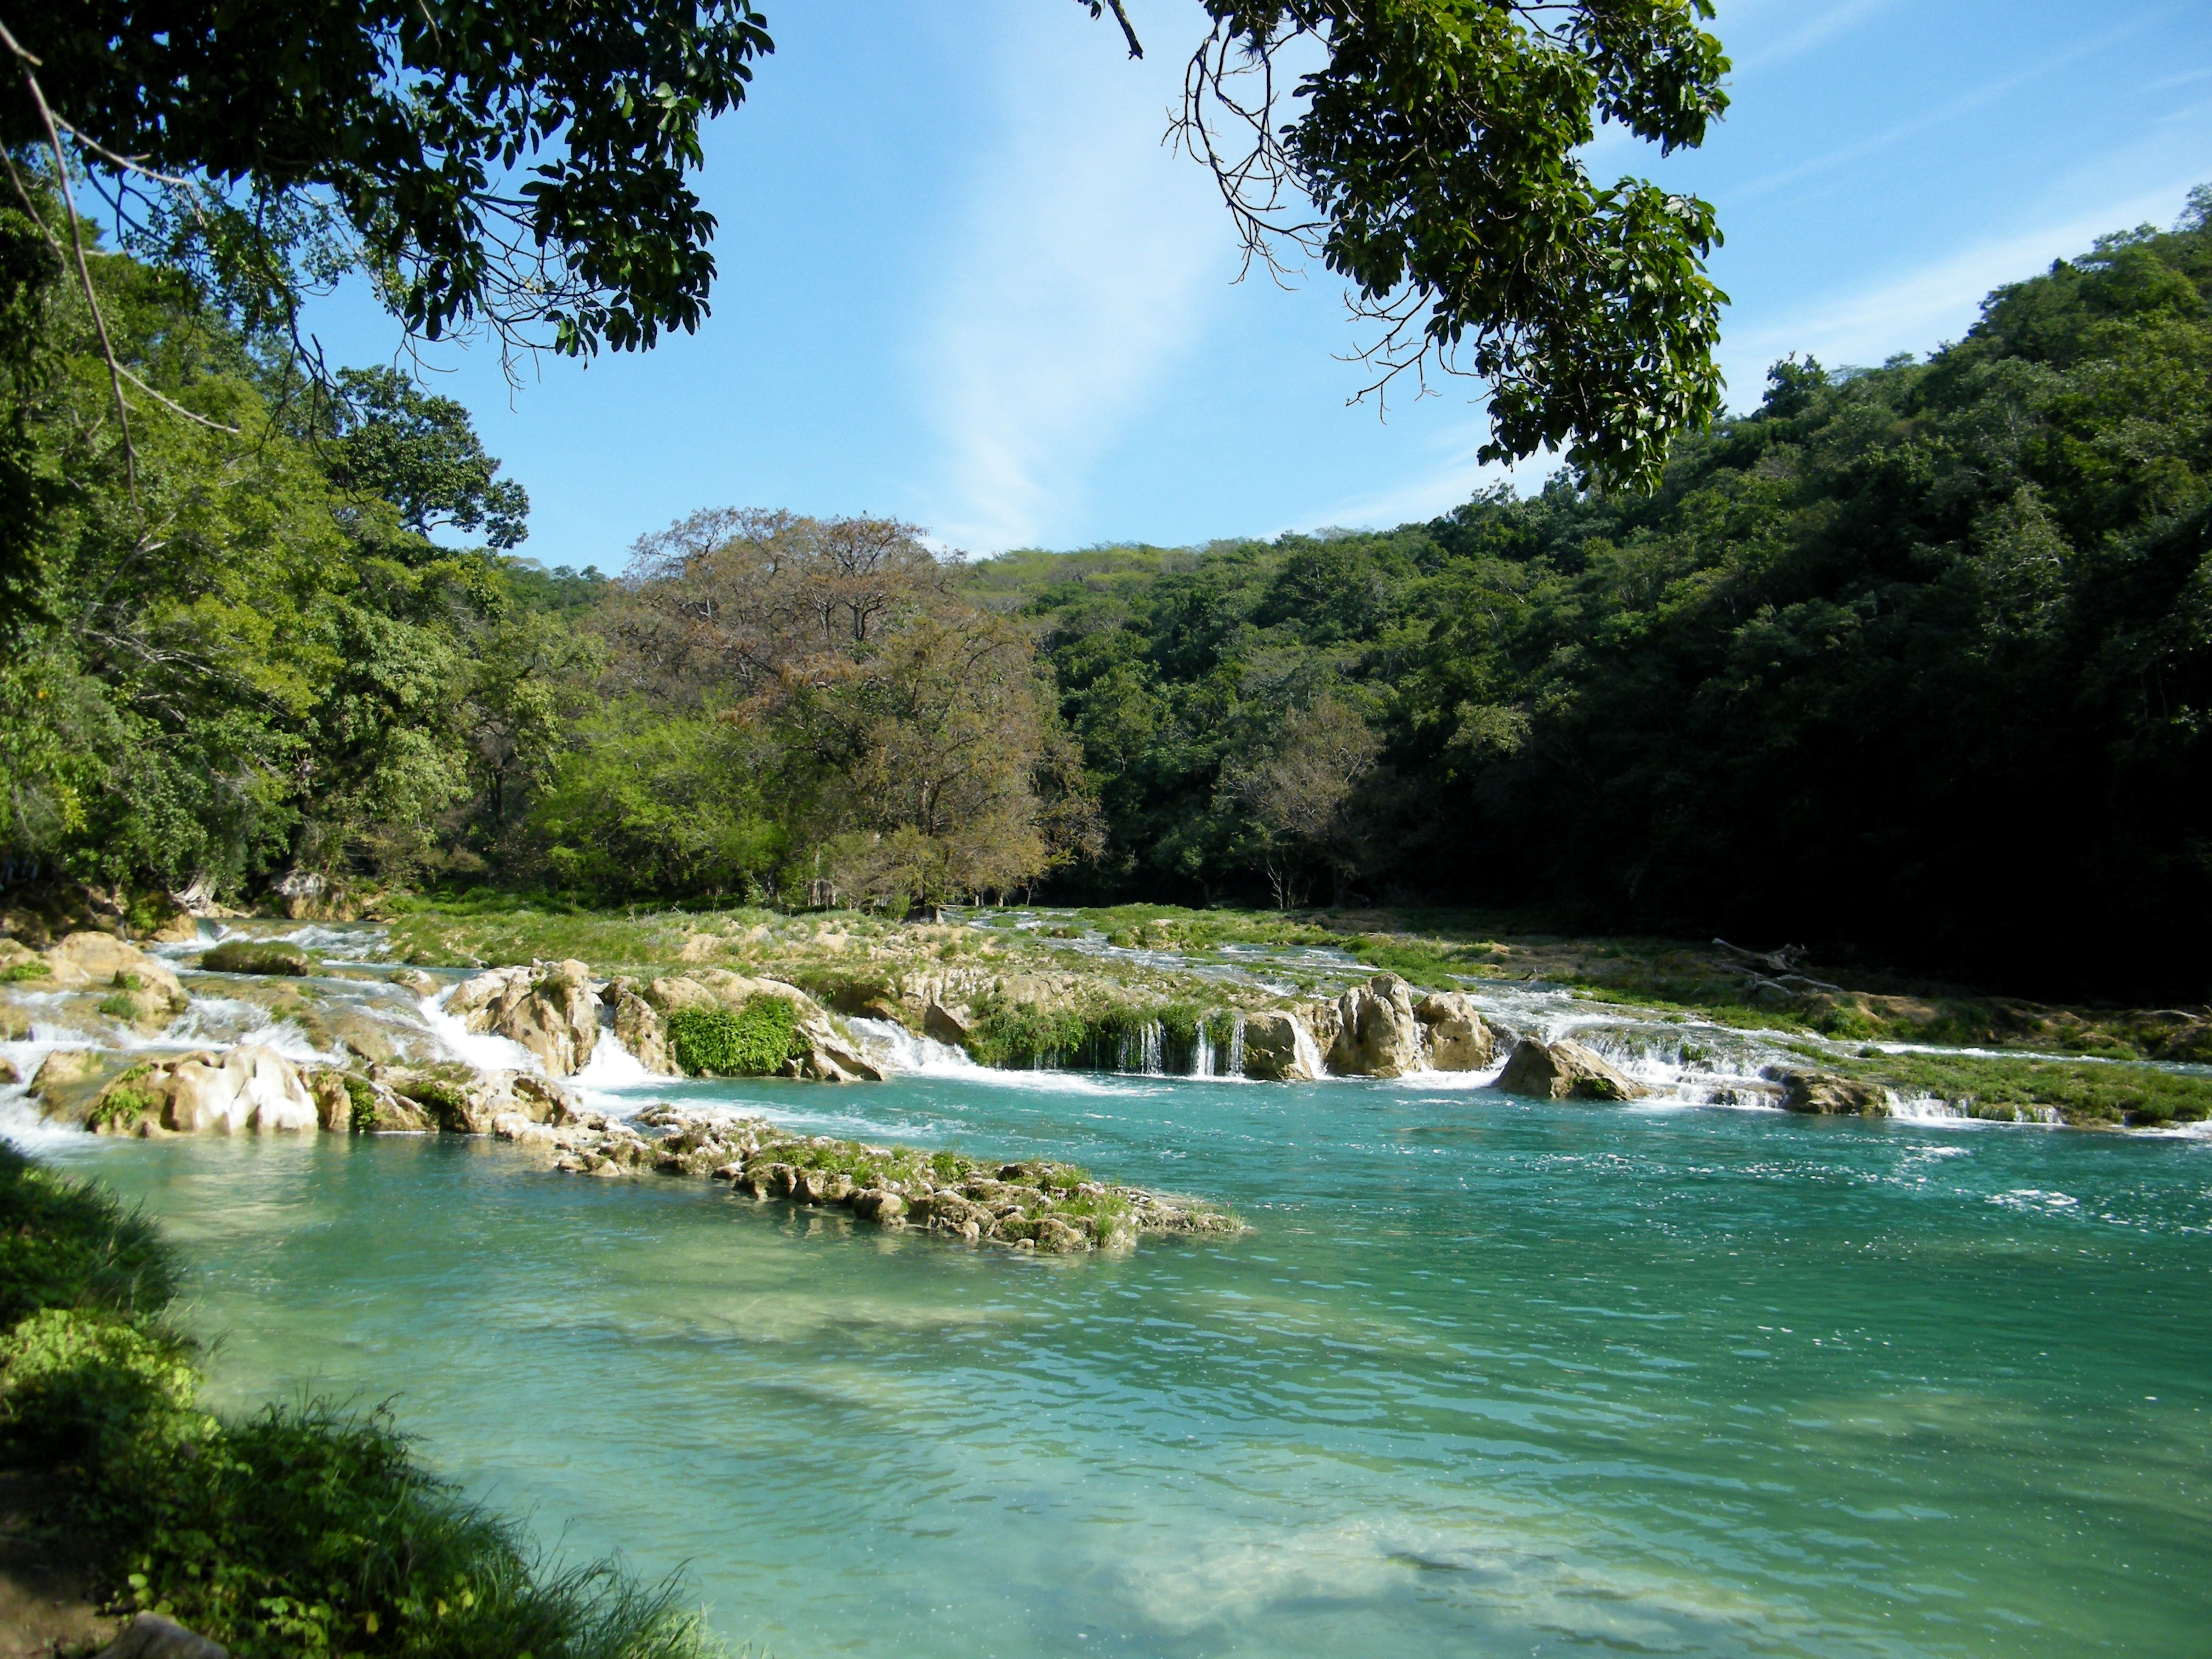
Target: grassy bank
297 1530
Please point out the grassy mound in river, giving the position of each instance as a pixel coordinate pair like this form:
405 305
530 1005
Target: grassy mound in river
307 1529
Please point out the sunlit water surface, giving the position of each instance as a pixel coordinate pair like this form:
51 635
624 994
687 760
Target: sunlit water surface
1485 1377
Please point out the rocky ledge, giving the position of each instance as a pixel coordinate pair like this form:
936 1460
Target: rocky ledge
1033 1205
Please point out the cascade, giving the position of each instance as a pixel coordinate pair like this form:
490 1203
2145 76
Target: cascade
1236 1045
1309 1051
1151 1056
1201 1058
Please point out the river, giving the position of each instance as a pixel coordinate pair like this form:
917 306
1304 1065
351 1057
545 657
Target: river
1485 1377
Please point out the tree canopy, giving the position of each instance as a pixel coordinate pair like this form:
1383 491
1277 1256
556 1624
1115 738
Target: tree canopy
524 168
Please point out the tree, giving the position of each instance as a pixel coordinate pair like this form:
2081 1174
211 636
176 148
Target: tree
522 168
519 165
1438 143
396 443
1303 794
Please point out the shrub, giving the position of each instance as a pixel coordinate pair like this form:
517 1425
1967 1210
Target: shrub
63 1244
121 1107
80 1385
119 1006
362 1102
18 972
753 1041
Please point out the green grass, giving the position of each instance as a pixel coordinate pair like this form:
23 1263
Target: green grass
303 1530
753 1041
17 973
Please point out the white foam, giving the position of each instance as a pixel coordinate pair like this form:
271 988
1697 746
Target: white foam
482 1050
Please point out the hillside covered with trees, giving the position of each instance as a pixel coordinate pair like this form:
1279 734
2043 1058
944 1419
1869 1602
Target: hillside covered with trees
1913 658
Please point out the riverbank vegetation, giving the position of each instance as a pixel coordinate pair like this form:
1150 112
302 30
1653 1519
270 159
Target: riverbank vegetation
1908 662
297 1529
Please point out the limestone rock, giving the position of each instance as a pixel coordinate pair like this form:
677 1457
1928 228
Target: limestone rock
248 1089
69 1080
1458 1040
549 1007
462 1100
14 1025
99 961
1278 1048
9 1075
1377 1035
1563 1070
948 1023
149 1636
414 982
828 1055
1804 1089
878 1205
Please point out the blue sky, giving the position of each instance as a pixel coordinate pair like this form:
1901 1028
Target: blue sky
963 283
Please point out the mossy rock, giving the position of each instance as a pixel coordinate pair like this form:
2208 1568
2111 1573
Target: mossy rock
246 956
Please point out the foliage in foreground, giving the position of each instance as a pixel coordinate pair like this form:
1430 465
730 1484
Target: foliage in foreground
303 1530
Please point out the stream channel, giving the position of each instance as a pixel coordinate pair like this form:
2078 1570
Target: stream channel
1486 1376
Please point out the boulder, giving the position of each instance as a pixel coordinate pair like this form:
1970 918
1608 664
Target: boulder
9 1075
638 1029
69 1080
1458 1041
1278 1048
948 1023
100 962
549 1007
149 1636
1563 1070
246 1089
465 1102
879 1205
14 1025
258 955
1804 1089
414 982
1377 1035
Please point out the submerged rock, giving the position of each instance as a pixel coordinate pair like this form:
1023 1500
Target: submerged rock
1377 1035
549 1007
1805 1090
1458 1040
1278 1048
1563 1070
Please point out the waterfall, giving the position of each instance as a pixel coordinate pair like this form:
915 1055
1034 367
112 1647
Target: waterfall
1236 1045
1201 1058
1309 1051
1153 1065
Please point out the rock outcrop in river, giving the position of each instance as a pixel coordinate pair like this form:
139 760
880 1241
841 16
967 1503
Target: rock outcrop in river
1563 1070
1031 1205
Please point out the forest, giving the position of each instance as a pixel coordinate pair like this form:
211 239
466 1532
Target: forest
1910 660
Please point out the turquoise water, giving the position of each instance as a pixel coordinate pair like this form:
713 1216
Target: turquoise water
1486 1376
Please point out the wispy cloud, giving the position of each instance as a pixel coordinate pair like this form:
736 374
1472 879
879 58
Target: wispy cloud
1450 475
1084 257
1807 32
1916 311
1980 98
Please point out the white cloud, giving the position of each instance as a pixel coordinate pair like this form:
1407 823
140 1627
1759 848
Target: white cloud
1808 33
1083 257
1918 310
1451 474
